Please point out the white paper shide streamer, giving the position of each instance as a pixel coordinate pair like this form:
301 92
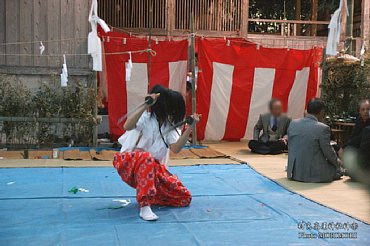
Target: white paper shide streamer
94 43
42 48
129 68
334 30
64 74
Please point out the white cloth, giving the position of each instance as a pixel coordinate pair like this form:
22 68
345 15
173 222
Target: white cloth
334 30
129 68
93 41
64 74
151 140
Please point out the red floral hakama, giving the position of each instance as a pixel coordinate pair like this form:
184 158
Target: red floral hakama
154 184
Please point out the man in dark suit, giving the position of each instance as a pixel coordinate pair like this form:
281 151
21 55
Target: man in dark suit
357 160
311 158
270 132
362 121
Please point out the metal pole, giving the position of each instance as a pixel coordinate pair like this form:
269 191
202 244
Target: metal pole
150 41
193 84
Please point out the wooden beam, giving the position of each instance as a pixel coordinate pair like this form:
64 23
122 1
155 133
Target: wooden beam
298 10
314 6
365 22
21 70
349 25
170 16
244 18
343 24
193 78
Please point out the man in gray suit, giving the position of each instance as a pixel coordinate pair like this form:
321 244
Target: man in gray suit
311 158
274 126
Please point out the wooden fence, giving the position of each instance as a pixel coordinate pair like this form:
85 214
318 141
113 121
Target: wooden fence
35 20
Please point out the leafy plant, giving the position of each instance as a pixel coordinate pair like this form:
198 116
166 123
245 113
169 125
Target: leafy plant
75 102
344 85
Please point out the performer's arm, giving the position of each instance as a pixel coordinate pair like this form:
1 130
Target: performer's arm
176 147
131 121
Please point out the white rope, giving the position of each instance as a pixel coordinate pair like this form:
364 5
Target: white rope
43 41
152 52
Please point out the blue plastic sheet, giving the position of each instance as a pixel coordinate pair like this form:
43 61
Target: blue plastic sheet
232 205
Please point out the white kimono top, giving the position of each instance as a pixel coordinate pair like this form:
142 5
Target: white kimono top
151 139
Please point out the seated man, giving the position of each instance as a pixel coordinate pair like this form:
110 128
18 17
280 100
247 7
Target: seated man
365 147
362 121
357 160
311 158
273 125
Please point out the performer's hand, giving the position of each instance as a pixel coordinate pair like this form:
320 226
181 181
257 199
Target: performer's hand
151 99
196 118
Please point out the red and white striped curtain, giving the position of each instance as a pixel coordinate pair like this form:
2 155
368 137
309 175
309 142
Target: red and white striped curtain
237 79
168 67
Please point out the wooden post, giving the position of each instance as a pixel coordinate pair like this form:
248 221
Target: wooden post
314 5
94 81
244 19
365 22
298 10
170 16
193 84
150 40
349 26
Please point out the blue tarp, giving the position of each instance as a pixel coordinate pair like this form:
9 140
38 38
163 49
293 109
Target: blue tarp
232 205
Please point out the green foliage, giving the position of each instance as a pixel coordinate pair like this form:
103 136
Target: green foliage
48 101
277 9
344 85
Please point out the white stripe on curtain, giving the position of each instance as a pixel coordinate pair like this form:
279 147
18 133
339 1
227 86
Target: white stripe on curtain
263 84
137 87
297 96
220 101
178 72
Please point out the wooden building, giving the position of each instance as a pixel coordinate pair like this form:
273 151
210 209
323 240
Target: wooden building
62 26
25 21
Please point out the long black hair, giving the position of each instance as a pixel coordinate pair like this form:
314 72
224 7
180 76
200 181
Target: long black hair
170 105
176 107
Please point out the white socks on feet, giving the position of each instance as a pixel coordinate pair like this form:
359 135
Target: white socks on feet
147 214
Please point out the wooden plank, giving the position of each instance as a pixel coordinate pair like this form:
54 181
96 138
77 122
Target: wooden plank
12 30
26 32
82 28
67 30
42 71
244 18
53 26
314 7
2 33
298 13
170 16
365 20
40 30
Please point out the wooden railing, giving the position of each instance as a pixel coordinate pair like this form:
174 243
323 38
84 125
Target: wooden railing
291 27
211 18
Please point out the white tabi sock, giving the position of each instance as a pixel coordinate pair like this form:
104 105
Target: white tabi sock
147 214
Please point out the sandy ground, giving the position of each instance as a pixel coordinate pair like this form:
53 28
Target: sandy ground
343 195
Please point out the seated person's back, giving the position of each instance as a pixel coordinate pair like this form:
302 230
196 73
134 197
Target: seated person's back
311 157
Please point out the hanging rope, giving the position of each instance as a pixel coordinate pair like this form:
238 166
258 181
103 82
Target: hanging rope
151 51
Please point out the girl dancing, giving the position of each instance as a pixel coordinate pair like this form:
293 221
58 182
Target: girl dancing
145 151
